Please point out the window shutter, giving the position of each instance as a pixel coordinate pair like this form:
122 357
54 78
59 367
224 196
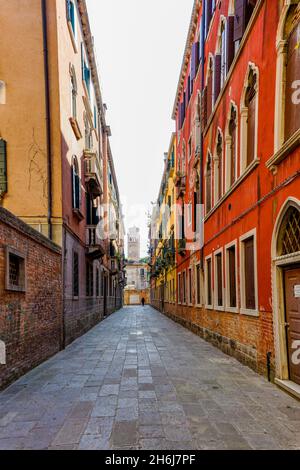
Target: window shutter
220 280
251 130
249 274
82 61
232 278
230 42
68 8
204 109
201 40
217 76
240 19
193 67
3 168
77 192
208 16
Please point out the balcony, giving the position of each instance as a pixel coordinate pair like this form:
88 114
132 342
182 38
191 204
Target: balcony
181 247
93 173
180 184
96 246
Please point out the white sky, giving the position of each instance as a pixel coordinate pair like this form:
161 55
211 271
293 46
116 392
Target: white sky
139 46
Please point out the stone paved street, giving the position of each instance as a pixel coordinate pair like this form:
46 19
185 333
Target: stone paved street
140 381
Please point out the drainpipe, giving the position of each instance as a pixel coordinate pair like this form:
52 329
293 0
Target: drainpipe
201 133
48 122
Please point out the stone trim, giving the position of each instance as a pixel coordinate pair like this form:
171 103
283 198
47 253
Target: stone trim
11 220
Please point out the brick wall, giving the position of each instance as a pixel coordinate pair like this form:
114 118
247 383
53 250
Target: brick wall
30 321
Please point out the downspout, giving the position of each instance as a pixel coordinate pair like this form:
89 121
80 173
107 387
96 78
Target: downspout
201 131
48 122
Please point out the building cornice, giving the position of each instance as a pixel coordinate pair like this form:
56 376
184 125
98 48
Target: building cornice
187 53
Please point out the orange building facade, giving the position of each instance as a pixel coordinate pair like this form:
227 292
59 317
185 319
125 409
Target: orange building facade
237 113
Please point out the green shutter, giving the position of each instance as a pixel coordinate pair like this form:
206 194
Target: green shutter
3 168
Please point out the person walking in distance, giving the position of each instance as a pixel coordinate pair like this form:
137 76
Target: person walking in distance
143 302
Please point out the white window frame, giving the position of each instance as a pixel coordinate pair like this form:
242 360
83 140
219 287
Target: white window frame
190 291
74 34
220 308
184 288
244 121
208 306
228 143
243 310
227 285
196 286
179 288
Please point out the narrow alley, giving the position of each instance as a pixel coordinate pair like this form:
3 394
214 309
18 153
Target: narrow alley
140 381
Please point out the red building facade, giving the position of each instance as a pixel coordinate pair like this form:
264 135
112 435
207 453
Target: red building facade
237 118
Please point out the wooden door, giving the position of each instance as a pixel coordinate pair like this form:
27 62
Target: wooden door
292 309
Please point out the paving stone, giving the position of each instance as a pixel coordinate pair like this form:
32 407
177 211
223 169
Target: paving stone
107 390
140 381
124 434
70 433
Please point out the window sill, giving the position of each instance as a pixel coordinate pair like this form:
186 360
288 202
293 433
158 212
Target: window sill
11 288
284 151
232 310
249 313
73 39
209 307
76 129
220 309
242 177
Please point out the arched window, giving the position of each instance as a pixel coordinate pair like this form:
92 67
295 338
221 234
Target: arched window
208 177
73 92
249 118
289 234
210 87
76 192
231 148
292 96
222 50
218 168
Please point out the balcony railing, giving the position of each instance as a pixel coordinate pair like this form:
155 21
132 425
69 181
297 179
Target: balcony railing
96 245
180 184
93 173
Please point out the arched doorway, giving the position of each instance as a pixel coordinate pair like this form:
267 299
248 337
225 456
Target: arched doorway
286 293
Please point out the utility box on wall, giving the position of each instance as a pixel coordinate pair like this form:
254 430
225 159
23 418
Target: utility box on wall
3 168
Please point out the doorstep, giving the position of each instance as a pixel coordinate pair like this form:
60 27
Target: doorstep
289 386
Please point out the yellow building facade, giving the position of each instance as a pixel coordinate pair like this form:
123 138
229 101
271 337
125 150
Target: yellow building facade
163 279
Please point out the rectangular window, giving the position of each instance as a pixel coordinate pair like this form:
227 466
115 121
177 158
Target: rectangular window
89 280
75 274
71 15
173 282
209 282
15 271
184 287
86 73
179 289
190 287
231 277
219 279
249 274
198 283
97 283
